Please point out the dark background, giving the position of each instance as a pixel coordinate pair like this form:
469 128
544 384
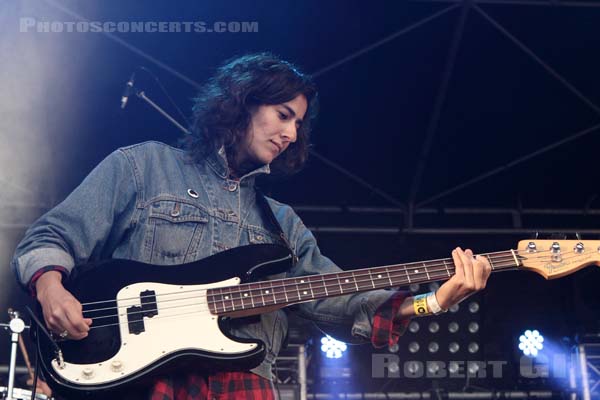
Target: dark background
416 98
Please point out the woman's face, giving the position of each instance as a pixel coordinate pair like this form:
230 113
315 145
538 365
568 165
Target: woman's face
271 130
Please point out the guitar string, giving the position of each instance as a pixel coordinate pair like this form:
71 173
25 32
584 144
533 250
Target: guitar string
159 316
326 279
417 265
295 285
225 310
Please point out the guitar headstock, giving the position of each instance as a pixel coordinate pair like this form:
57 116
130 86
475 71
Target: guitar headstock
557 258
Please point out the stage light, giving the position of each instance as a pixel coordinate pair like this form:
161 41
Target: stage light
453 327
473 327
434 327
433 286
394 348
453 347
454 308
414 287
531 342
473 347
453 367
413 347
433 347
473 367
433 367
414 368
473 306
332 348
393 367
413 327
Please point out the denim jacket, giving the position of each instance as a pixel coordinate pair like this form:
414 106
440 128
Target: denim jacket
149 202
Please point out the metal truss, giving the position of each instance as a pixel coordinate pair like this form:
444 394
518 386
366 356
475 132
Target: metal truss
415 207
587 354
441 221
542 3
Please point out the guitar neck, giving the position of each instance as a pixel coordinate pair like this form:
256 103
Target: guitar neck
258 297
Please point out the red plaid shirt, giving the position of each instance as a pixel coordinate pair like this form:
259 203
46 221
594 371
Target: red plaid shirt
246 385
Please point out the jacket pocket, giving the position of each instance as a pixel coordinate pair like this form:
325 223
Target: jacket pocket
256 235
175 231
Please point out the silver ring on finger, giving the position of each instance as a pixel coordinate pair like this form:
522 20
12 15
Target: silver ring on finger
63 334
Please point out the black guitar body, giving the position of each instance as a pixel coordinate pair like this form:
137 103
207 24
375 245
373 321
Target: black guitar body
102 282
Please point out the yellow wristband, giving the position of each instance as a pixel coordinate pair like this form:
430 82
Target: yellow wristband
420 305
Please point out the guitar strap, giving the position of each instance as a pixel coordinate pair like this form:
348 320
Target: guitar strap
268 211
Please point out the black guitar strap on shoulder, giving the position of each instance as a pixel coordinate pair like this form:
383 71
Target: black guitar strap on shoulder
264 204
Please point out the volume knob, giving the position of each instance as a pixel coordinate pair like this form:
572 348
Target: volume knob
116 366
87 373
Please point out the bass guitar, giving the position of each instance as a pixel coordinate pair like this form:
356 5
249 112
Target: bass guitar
149 318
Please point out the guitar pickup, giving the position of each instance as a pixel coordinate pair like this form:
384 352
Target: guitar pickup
136 314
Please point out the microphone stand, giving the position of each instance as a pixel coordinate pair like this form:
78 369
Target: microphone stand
16 326
142 95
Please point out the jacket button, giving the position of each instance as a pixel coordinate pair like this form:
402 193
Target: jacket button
232 187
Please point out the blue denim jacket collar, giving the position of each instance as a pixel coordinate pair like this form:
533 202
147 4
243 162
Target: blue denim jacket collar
217 161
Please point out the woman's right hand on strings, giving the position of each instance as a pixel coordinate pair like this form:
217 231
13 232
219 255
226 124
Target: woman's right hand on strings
62 312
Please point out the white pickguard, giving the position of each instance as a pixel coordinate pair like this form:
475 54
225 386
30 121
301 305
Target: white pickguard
183 322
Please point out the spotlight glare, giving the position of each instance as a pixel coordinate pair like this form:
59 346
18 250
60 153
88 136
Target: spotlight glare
531 342
332 348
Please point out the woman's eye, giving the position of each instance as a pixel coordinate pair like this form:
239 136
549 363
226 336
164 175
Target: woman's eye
282 115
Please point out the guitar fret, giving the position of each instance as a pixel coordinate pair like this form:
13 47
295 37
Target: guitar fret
324 285
297 289
446 266
248 293
407 275
426 271
223 299
371 278
273 291
304 292
286 296
339 283
387 270
261 295
355 283
492 265
235 296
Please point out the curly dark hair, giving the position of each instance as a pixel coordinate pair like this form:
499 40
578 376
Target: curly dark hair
223 107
